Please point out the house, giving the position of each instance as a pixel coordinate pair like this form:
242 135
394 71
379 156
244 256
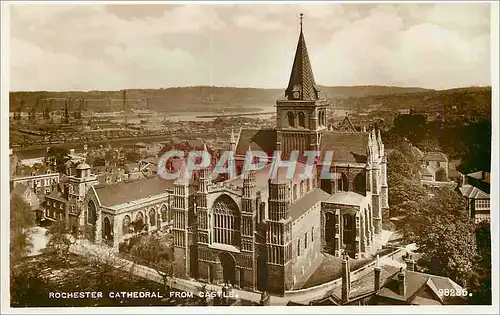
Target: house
480 179
390 285
40 184
23 191
434 167
478 201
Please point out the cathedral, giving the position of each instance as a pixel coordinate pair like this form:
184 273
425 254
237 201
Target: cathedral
254 231
267 233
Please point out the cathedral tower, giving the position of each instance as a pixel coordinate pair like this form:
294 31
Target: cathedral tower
301 116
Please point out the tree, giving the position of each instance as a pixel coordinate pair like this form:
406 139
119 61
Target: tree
157 250
60 239
22 219
480 284
59 156
444 234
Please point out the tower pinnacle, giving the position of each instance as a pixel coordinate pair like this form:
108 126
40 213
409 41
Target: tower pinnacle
301 18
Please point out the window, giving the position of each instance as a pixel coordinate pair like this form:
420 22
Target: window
226 219
298 247
482 204
312 234
291 119
305 241
302 119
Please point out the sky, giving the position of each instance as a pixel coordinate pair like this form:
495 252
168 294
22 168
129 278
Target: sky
61 47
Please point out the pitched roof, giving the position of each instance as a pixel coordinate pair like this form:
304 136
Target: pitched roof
300 206
257 140
363 285
346 146
302 78
416 281
472 192
346 198
435 156
126 191
347 125
19 189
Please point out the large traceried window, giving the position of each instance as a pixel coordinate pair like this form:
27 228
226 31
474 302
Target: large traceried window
226 217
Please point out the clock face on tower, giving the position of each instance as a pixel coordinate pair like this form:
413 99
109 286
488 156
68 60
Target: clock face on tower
296 94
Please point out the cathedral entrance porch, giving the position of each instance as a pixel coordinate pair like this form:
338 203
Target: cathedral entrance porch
226 268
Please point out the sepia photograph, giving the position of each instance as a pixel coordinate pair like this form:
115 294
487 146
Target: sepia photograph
320 157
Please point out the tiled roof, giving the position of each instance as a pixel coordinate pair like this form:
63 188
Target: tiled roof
257 140
364 284
347 125
57 196
346 198
124 192
19 189
416 281
300 206
302 78
435 156
472 192
346 146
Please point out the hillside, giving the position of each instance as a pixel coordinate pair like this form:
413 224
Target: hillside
189 98
471 101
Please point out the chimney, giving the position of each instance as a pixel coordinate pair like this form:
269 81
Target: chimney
410 263
377 275
401 282
346 279
462 180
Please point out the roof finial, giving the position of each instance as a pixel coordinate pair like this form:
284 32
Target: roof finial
301 17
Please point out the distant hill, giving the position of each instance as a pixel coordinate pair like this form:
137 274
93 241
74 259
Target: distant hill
470 101
189 98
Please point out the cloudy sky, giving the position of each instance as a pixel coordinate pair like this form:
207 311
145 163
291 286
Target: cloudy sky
111 47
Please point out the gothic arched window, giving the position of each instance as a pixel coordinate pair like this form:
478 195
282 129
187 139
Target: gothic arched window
302 119
342 183
91 213
126 225
226 221
291 119
152 217
164 213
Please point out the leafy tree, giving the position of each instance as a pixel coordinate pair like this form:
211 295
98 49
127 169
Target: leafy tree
158 251
480 284
411 126
59 156
132 156
60 239
21 221
444 234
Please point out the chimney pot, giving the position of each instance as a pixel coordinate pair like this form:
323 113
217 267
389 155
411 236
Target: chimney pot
402 282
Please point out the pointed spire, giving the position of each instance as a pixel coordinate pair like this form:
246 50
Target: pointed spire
301 85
